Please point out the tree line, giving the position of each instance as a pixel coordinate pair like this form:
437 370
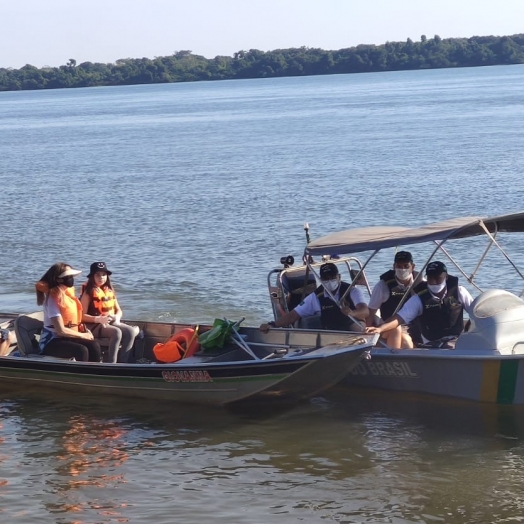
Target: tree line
184 66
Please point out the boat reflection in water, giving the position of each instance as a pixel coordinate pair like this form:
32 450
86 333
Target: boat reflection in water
91 445
432 414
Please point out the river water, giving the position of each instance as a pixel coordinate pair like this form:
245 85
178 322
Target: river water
191 193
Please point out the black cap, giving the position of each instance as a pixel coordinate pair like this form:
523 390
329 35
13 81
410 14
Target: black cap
96 267
328 271
404 256
436 268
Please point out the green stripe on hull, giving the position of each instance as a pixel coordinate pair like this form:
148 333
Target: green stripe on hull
509 370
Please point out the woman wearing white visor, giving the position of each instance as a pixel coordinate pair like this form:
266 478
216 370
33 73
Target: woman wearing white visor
63 334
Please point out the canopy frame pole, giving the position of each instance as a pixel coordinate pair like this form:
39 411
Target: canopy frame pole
409 291
491 241
494 240
456 264
417 280
360 272
238 340
355 321
471 277
338 302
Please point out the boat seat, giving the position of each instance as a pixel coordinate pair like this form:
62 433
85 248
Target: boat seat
28 329
312 322
293 285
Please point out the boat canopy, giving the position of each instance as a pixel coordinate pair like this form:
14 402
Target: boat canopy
377 237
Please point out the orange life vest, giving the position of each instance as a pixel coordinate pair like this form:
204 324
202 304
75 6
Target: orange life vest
70 306
181 345
103 301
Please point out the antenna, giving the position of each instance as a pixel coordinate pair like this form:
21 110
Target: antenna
306 229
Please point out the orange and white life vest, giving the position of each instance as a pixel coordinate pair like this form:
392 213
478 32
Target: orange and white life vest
70 306
103 301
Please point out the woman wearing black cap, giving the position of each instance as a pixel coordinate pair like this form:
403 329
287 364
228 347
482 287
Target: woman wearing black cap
103 314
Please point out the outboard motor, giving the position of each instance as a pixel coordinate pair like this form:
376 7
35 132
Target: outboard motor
497 324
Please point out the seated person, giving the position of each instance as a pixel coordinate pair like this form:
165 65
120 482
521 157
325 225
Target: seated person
344 317
386 297
7 338
62 335
438 307
103 314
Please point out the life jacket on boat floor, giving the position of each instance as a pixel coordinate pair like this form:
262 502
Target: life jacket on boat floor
181 345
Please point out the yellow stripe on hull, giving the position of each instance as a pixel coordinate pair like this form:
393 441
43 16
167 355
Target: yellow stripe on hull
490 381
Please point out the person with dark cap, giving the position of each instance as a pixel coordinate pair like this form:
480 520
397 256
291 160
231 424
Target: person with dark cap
344 313
103 314
438 307
387 295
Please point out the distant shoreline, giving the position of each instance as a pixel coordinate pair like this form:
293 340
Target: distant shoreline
184 66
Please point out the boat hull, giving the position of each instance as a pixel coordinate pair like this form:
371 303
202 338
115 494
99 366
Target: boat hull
483 377
215 384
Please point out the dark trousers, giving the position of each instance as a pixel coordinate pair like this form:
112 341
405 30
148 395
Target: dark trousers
82 350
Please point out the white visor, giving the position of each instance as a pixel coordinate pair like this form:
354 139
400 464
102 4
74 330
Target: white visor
70 273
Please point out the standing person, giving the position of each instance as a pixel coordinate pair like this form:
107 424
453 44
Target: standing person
103 313
438 308
386 296
332 316
62 335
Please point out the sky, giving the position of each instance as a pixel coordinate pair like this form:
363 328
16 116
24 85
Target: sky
50 32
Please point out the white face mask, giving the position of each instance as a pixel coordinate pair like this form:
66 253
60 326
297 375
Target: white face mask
437 288
402 274
331 285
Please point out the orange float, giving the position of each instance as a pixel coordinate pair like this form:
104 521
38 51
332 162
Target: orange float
182 344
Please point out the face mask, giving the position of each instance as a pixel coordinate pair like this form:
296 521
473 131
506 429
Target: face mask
331 285
403 274
437 288
68 281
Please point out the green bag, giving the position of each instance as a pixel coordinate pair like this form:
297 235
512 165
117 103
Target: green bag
217 336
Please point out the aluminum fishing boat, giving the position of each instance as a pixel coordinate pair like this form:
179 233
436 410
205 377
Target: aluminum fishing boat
281 365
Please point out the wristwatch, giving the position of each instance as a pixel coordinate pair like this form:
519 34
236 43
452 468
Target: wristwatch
271 323
4 334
